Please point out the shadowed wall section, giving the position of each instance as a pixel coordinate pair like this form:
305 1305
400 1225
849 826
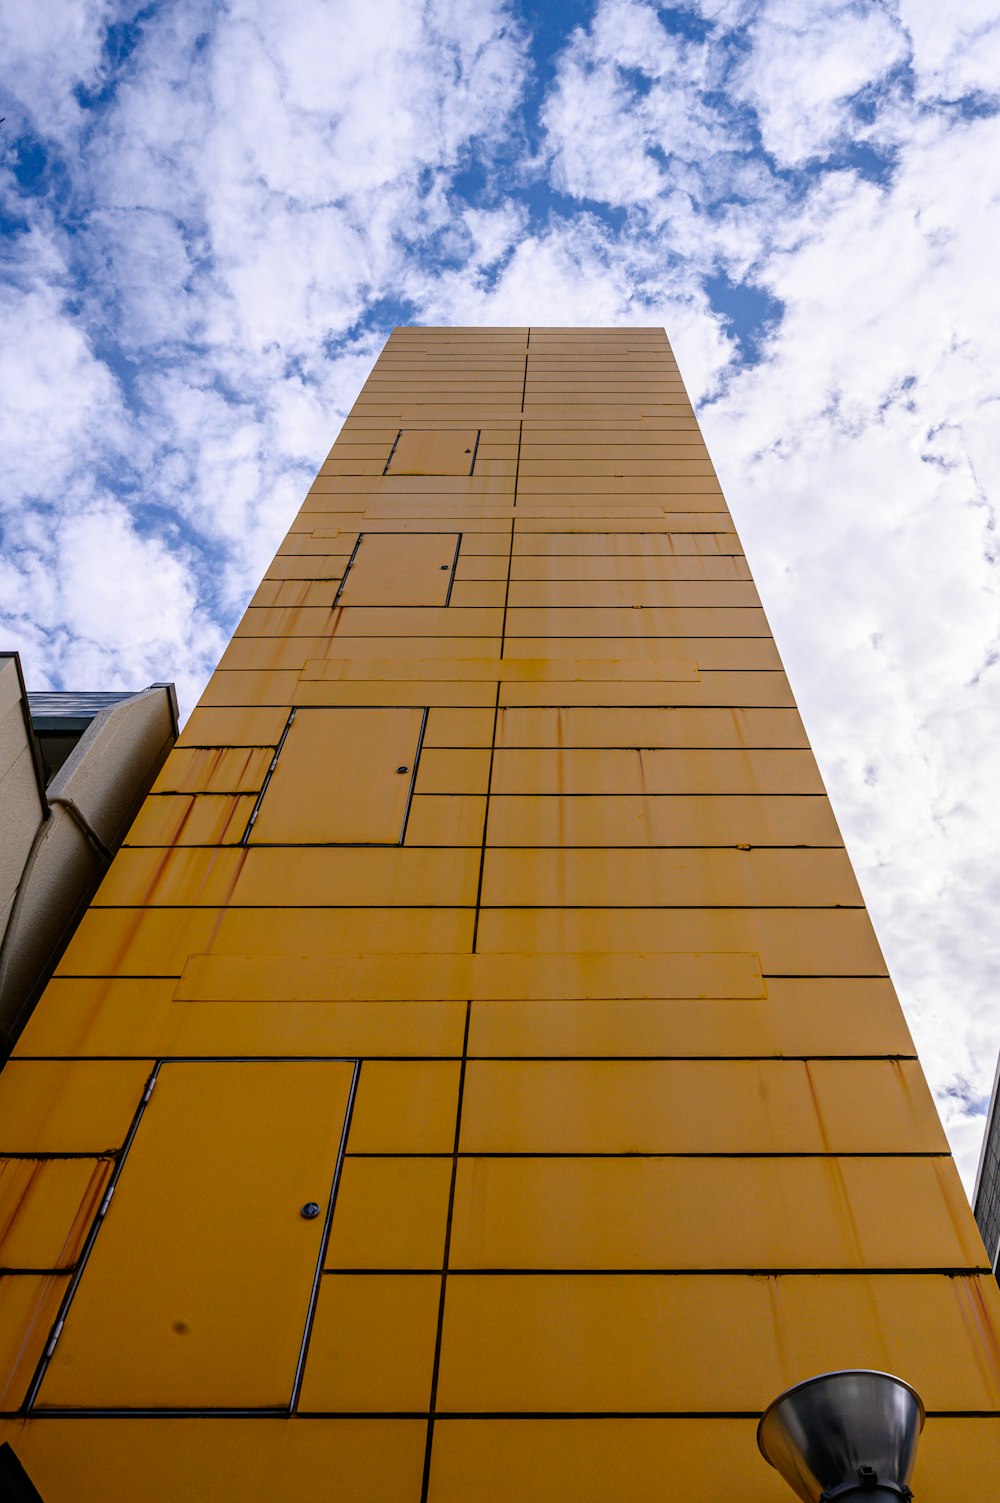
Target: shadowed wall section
482 1033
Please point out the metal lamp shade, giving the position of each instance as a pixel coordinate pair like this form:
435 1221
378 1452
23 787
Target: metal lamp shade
832 1432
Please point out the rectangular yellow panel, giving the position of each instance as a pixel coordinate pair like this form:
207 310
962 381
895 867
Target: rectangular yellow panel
662 820
296 876
215 769
423 451
342 776
708 539
46 1209
424 977
642 1342
376 621
631 593
692 1106
189 819
398 568
159 942
448 821
609 621
197 1291
806 1015
88 1016
583 770
678 877
372 1345
163 1461
737 727
459 727
589 1461
646 567
28 1309
447 770
69 1106
404 1107
246 725
789 941
594 1213
390 1213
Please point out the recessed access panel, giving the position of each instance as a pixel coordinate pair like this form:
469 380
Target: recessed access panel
430 451
198 1289
401 568
343 777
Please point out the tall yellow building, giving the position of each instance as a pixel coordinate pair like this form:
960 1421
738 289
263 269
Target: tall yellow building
477 1081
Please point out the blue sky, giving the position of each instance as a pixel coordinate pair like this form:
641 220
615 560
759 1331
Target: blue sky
212 214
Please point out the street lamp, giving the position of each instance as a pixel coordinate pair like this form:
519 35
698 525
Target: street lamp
846 1435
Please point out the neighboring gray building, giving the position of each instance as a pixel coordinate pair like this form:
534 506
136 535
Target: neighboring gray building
74 769
986 1196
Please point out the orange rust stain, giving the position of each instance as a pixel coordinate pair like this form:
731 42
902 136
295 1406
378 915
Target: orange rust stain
87 1210
817 1108
12 1169
984 1336
779 1321
958 1209
235 813
834 1173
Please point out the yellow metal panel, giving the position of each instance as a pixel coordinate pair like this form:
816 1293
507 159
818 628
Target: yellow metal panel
662 821
375 621
573 1461
443 770
46 1208
28 1309
424 977
757 653
805 1016
642 1342
372 1345
556 594
197 1289
691 1106
652 621
187 819
135 1015
215 769
396 568
789 941
599 1213
158 942
614 567
247 725
310 876
338 778
436 452
68 1106
459 727
710 539
679 877
468 593
737 727
706 688
642 771
405 1107
241 1460
324 692
391 1213
446 821
569 1461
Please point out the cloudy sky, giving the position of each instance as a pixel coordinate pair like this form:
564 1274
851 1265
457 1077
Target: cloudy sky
213 213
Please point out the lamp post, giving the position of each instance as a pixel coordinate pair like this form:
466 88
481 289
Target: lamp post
849 1436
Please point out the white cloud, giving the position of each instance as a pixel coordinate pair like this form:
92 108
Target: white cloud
804 65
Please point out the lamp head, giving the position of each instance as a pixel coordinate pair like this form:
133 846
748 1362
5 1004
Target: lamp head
843 1434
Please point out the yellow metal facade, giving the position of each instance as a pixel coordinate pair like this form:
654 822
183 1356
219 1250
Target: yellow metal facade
482 1033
